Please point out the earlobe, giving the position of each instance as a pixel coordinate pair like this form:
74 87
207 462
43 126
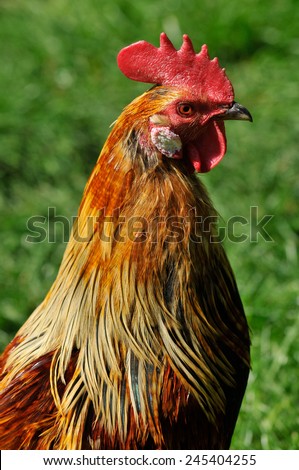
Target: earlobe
166 141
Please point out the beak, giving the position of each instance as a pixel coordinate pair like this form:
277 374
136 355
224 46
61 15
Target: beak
237 111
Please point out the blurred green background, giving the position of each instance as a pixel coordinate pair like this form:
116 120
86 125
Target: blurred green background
61 90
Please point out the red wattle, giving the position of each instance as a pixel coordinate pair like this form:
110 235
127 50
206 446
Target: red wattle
209 149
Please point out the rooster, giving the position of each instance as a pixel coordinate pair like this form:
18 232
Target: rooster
142 341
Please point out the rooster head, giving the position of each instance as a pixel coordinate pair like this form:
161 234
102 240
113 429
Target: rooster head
197 97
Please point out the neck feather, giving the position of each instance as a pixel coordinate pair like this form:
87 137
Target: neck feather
127 295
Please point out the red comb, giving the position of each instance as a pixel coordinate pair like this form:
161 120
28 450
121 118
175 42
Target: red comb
165 65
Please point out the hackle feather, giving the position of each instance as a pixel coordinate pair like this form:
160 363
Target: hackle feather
143 327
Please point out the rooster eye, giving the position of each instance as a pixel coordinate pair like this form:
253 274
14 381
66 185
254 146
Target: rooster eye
185 109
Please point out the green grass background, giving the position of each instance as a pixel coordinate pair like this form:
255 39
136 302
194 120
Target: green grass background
60 91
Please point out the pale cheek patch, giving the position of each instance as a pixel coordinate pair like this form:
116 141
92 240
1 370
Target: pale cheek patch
166 141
